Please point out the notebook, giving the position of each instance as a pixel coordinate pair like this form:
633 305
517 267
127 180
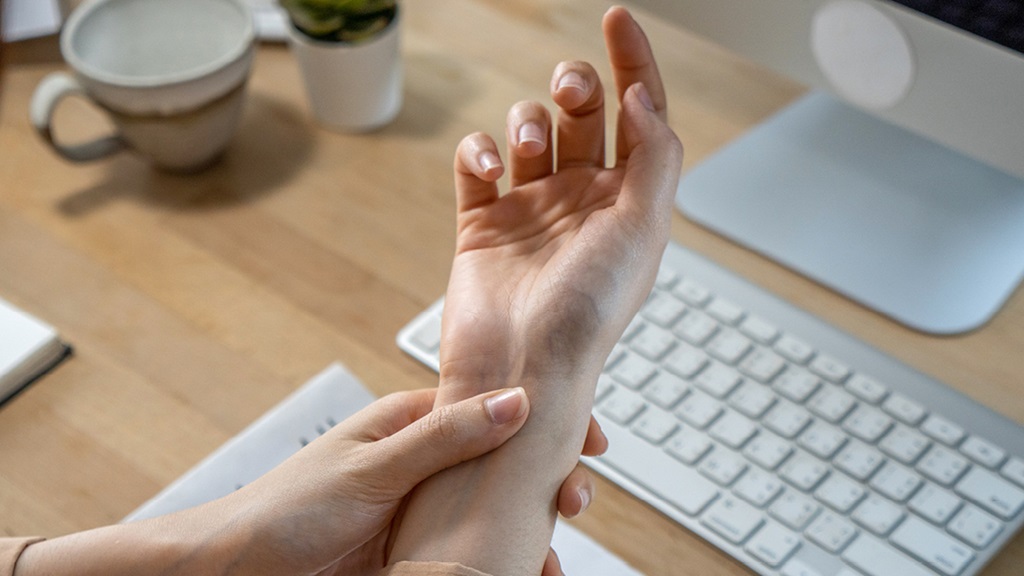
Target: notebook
28 348
315 407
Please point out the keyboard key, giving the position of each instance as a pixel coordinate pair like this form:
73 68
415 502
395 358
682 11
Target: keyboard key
692 292
786 419
685 360
904 444
652 342
794 349
867 423
831 532
722 466
904 409
718 380
991 493
877 559
896 482
728 346
867 389
840 493
633 371
688 445
767 450
759 329
698 409
942 466
662 309
935 504
655 425
796 384
878 515
773 544
859 460
605 384
758 487
1014 470
796 567
762 365
732 518
832 403
975 527
666 278
829 368
803 471
725 311
752 399
733 429
665 390
695 327
622 406
942 430
983 452
822 439
932 546
677 484
794 509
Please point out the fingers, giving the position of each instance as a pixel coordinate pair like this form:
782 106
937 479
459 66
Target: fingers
632 61
477 167
596 443
528 132
449 435
387 415
576 89
576 492
552 567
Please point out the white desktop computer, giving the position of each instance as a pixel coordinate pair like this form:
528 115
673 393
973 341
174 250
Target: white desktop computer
899 180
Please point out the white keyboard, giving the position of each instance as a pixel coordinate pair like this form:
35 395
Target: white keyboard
793 447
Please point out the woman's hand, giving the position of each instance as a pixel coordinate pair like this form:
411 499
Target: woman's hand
330 508
326 510
547 276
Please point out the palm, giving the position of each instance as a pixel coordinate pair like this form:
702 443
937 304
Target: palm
517 258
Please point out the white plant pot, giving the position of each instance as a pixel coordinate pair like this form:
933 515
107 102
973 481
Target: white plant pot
352 87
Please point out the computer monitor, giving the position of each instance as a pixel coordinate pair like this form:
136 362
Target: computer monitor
899 180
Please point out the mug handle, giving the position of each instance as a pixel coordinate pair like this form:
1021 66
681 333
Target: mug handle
54 88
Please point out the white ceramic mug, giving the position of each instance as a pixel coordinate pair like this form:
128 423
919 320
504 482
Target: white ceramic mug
171 75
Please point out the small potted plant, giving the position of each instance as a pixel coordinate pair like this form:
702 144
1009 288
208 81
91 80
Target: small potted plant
349 55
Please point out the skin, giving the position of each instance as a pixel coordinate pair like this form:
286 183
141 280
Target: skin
327 510
545 279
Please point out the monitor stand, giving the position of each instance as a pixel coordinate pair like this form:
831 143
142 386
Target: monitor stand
906 227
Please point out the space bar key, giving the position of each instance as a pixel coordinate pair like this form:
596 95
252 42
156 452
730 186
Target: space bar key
668 479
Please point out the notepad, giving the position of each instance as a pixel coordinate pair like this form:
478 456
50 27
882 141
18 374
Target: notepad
28 348
311 410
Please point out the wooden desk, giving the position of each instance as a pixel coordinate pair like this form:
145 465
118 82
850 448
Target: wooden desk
196 303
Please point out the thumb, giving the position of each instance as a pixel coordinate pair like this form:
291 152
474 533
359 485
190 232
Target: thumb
451 434
653 159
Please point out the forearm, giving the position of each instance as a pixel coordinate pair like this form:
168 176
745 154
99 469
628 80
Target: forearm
166 546
496 513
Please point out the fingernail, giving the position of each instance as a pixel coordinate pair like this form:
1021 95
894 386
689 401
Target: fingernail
506 406
584 499
644 97
489 161
572 80
531 132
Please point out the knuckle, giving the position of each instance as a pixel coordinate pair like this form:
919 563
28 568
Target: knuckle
443 423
